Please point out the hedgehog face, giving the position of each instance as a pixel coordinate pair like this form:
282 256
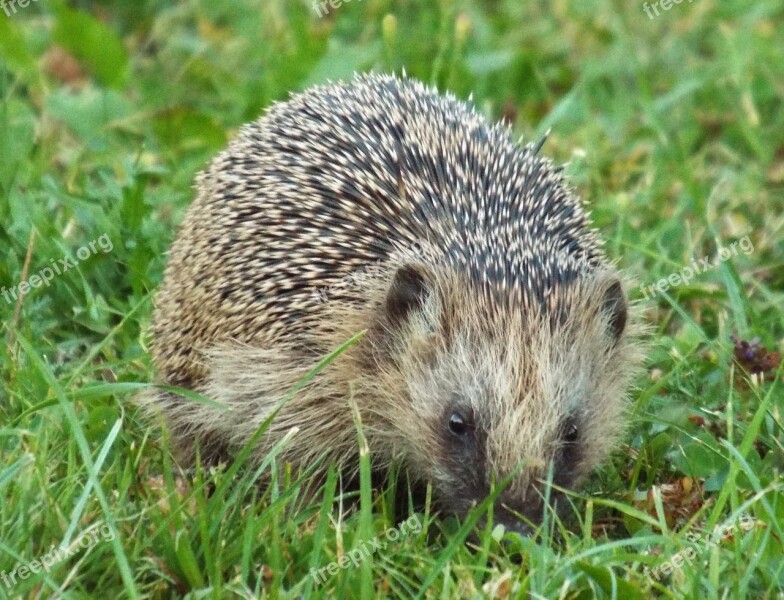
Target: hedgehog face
502 397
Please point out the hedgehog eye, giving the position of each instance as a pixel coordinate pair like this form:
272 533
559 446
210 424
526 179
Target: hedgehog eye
571 433
458 424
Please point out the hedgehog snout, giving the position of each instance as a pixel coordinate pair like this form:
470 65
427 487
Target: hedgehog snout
517 515
522 515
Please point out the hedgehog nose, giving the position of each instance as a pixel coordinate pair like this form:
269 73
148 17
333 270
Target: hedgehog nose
521 521
518 528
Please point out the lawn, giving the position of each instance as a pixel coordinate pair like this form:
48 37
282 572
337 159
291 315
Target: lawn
670 119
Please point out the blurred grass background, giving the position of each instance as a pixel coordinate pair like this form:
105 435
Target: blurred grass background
672 130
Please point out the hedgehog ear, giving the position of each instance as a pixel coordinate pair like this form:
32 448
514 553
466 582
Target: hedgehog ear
407 291
614 305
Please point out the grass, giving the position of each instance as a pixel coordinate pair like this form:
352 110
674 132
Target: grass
671 128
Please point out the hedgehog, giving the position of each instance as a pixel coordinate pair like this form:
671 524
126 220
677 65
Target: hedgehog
498 345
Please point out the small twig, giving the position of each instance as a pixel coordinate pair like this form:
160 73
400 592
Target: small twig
18 308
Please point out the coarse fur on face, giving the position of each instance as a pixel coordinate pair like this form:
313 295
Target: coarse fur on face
492 392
